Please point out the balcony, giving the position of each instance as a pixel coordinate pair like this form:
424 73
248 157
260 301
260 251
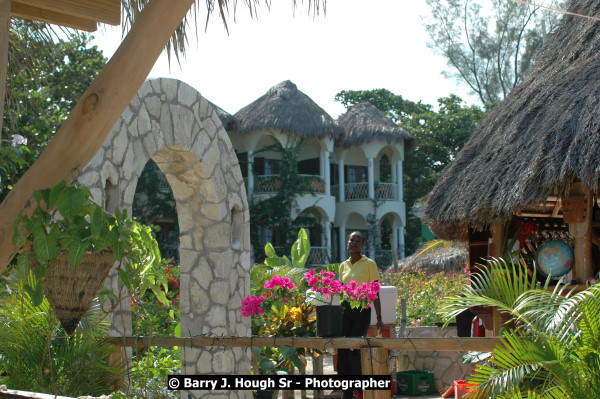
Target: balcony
360 191
271 184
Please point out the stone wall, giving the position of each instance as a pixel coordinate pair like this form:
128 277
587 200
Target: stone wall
174 125
446 366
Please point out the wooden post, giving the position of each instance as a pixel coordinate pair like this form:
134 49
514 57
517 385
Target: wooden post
495 251
374 361
4 43
581 231
495 248
317 370
90 121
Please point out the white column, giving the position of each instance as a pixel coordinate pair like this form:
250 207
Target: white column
328 235
400 181
342 184
250 173
327 174
342 243
371 180
401 236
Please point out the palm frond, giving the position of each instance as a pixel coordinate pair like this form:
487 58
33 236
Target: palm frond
224 8
496 284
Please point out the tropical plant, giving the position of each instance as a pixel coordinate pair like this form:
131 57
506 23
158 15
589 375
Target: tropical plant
65 219
37 355
424 291
553 350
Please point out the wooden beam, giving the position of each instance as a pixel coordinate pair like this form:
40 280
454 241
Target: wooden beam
106 11
556 209
37 14
92 118
454 344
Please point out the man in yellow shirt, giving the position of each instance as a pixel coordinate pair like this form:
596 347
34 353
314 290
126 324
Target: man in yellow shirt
356 321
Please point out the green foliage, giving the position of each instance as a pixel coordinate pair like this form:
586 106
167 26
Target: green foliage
552 352
154 202
424 291
276 212
439 135
151 372
292 317
490 46
66 219
45 81
36 355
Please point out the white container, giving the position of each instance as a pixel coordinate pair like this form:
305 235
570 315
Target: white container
388 296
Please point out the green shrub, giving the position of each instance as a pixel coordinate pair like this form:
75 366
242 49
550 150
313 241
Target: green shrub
424 291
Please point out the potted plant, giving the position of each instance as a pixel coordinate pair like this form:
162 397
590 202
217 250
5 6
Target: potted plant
324 287
71 243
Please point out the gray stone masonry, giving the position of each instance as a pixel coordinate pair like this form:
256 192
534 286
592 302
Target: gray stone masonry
174 125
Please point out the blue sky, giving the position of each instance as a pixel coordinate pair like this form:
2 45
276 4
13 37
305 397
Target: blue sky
356 45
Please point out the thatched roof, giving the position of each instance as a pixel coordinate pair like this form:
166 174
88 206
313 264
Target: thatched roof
229 122
286 108
364 122
537 143
442 257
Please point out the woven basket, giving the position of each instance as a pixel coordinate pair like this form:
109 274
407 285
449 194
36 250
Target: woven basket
71 291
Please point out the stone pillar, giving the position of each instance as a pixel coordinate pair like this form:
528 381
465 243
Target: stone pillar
328 235
371 179
342 184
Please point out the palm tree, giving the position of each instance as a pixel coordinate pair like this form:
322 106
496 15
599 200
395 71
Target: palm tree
552 352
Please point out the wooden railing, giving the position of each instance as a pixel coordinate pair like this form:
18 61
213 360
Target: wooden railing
374 351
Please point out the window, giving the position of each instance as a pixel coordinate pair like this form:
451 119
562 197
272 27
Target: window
356 174
272 166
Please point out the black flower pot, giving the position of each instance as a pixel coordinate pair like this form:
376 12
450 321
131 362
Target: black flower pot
329 320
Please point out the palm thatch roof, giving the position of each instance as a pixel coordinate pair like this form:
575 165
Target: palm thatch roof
364 122
544 137
229 122
443 257
286 108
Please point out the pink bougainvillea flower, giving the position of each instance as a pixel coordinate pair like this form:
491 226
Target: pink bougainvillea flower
251 305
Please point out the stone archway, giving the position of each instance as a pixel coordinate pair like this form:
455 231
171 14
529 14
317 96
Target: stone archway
173 124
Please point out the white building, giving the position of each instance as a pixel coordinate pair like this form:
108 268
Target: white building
349 163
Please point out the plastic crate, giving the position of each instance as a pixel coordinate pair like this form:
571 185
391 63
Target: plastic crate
415 382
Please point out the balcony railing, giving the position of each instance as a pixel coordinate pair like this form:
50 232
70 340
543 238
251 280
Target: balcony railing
386 191
356 191
360 191
269 184
318 256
